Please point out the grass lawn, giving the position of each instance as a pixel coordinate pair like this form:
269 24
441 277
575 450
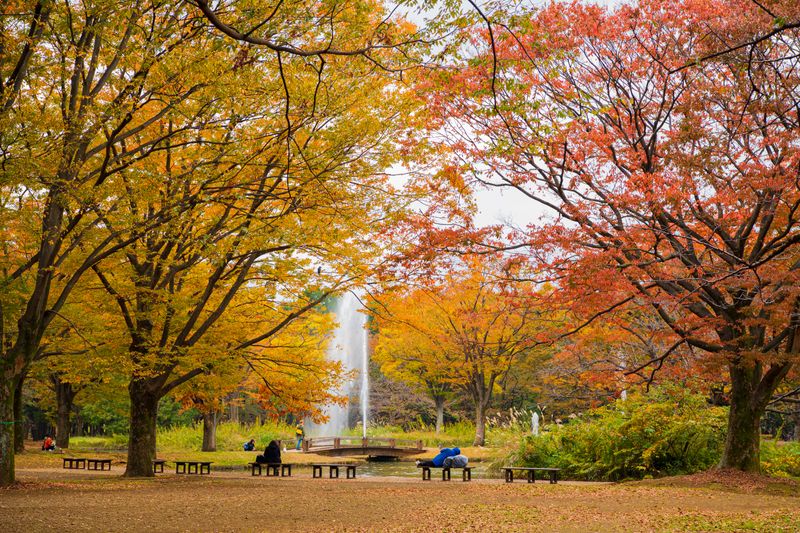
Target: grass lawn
51 499
223 459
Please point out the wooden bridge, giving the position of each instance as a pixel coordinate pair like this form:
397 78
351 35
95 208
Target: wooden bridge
379 448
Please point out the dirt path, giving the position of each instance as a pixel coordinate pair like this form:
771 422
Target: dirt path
56 500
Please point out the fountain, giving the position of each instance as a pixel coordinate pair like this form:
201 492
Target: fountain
350 346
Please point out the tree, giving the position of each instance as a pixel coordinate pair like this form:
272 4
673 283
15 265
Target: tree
248 248
672 187
90 118
80 351
80 82
467 328
410 355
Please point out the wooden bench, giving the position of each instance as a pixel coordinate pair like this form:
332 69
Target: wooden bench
509 472
193 467
316 470
271 468
158 465
466 474
74 463
98 464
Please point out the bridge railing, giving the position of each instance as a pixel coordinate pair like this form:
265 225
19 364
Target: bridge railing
346 441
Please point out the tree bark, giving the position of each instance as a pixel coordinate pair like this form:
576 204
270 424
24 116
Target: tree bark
65 396
439 412
210 431
796 421
743 442
480 424
20 426
144 396
7 432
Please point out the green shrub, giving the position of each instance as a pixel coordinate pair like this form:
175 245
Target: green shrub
230 436
780 459
661 433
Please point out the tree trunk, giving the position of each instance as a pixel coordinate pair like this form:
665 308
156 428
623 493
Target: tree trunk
20 427
64 399
7 432
144 398
480 424
210 431
439 412
796 420
743 442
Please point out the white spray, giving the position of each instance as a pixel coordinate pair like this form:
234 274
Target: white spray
349 346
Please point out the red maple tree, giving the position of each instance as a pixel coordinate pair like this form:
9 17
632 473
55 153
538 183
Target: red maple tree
670 188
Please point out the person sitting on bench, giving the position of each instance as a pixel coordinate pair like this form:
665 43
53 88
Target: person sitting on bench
438 461
272 454
48 445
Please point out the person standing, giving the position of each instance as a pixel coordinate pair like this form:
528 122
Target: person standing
299 433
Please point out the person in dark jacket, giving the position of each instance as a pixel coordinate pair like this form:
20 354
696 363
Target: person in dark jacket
272 454
438 461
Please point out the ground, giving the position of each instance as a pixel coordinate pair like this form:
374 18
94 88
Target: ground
51 499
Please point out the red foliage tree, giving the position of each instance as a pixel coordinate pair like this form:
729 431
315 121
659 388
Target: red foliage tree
670 188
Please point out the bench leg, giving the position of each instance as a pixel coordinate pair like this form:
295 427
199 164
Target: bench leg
351 469
316 470
531 476
466 474
553 478
331 470
445 474
286 470
509 476
426 473
253 468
